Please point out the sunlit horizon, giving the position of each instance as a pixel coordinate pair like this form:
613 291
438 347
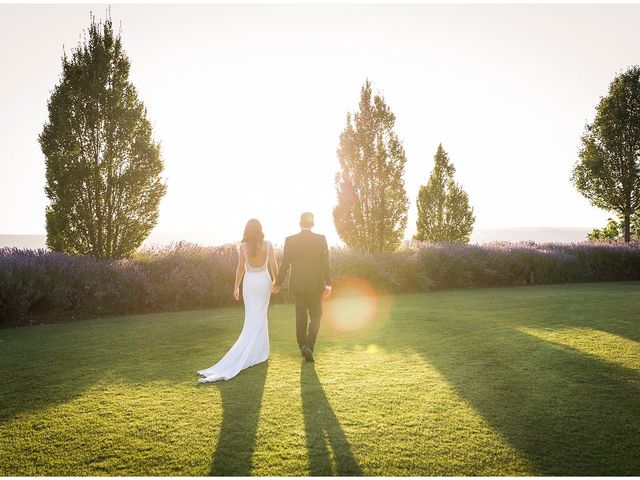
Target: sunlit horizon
248 102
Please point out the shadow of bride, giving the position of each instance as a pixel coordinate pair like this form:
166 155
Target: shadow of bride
241 400
323 430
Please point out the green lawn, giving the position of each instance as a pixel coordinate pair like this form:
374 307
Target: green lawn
520 381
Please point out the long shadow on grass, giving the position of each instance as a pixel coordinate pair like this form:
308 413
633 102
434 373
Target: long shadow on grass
589 306
567 412
321 428
241 401
38 374
43 366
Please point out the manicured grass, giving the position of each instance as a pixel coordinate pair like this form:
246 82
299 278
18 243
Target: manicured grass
521 381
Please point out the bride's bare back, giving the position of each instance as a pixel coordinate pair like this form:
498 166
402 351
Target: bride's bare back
260 258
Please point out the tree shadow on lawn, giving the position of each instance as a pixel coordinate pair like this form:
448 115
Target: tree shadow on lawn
567 412
57 363
241 402
321 427
589 306
40 375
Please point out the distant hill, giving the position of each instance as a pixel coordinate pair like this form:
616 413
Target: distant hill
23 241
535 234
205 239
39 241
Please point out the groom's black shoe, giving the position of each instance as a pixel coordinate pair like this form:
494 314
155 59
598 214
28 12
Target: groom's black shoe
307 354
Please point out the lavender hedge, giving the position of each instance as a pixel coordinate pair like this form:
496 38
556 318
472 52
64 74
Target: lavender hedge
41 286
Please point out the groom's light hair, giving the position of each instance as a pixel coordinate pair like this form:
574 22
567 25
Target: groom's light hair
306 220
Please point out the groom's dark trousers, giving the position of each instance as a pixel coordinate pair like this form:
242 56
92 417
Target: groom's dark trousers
307 255
308 314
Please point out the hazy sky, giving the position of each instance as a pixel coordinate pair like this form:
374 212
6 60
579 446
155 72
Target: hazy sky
248 103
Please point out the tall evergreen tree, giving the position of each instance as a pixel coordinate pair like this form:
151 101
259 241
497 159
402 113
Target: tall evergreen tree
371 214
102 166
444 213
608 169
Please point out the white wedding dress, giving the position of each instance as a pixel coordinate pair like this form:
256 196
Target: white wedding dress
252 346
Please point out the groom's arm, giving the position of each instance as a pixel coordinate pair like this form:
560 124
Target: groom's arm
326 271
284 265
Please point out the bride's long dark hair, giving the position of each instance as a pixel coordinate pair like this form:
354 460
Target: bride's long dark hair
253 236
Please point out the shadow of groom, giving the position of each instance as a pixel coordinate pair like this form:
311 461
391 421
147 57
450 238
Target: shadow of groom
323 430
241 401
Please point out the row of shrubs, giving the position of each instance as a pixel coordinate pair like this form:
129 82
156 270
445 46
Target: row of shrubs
42 286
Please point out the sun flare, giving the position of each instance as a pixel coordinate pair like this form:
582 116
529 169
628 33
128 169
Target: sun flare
355 305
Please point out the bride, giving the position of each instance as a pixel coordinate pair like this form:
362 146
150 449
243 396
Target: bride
252 346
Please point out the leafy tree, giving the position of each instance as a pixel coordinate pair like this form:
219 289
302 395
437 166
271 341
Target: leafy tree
608 171
444 213
615 229
371 214
610 232
102 166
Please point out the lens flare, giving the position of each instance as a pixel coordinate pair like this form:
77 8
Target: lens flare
353 306
372 348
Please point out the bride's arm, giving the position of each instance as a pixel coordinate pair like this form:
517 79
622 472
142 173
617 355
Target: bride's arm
273 264
239 274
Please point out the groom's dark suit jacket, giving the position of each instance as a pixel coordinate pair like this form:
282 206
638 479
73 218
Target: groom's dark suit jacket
307 255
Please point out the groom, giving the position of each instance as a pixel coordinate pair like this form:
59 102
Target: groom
307 255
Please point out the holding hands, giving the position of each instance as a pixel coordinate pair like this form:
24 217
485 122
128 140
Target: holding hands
327 292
